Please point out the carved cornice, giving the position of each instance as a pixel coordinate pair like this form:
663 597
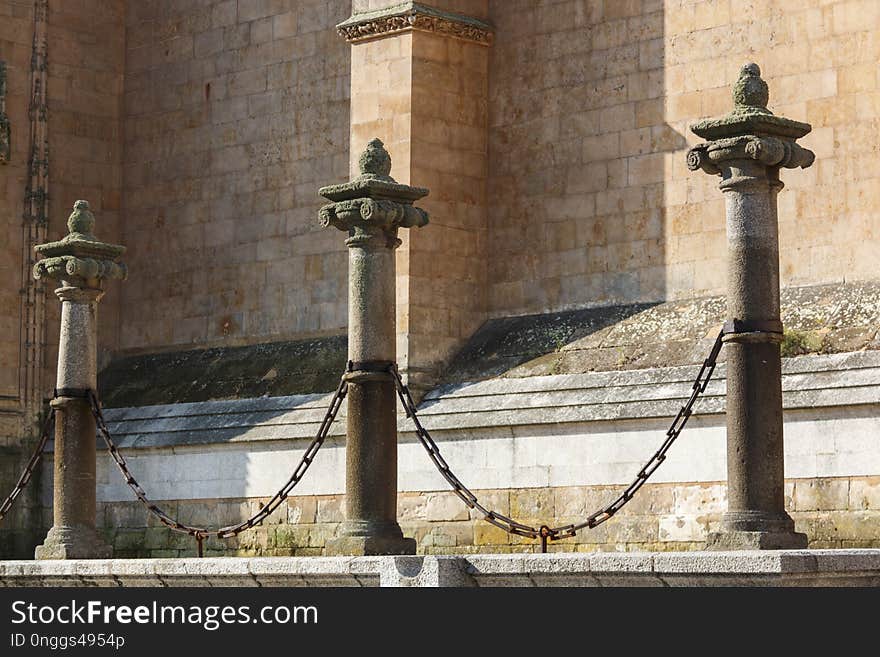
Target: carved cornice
408 16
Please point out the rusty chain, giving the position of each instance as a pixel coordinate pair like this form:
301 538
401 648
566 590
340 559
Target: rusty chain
545 532
201 533
32 463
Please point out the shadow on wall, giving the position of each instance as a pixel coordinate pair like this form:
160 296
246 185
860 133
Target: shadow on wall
579 152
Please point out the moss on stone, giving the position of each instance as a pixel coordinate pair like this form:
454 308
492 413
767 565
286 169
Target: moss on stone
798 343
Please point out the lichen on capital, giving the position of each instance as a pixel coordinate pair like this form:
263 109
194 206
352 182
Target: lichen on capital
79 257
373 203
750 116
750 92
81 220
375 161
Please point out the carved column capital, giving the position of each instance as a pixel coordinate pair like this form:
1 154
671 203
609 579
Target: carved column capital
80 260
750 144
374 206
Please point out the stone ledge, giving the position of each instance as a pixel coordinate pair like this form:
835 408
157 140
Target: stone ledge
747 568
269 369
831 318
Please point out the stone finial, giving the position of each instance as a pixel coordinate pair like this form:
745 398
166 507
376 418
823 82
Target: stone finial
750 91
750 115
375 161
79 259
81 220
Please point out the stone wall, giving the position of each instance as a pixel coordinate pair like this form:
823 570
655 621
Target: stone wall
16 32
236 112
841 512
84 84
86 70
590 200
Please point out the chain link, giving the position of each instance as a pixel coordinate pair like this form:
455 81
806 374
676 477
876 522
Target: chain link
201 533
32 463
545 532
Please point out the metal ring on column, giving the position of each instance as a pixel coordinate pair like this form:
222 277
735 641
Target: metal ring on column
76 393
358 371
752 330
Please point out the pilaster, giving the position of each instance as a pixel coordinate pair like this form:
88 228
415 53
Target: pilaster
420 82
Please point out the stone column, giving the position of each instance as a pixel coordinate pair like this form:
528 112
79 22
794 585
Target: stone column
370 209
81 263
747 148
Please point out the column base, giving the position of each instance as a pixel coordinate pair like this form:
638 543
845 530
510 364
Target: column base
743 540
76 542
359 546
366 538
756 530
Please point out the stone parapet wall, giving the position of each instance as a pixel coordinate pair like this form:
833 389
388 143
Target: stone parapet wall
835 512
770 568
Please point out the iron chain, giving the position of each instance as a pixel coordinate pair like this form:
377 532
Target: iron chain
545 532
201 533
495 518
32 463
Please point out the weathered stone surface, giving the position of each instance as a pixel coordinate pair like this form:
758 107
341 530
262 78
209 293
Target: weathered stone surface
821 495
83 265
270 369
657 335
5 126
444 506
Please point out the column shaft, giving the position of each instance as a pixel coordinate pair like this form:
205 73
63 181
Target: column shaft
747 147
371 448
754 391
73 534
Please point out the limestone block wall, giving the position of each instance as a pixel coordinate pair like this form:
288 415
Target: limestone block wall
16 32
835 512
425 94
447 268
237 111
589 197
86 70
